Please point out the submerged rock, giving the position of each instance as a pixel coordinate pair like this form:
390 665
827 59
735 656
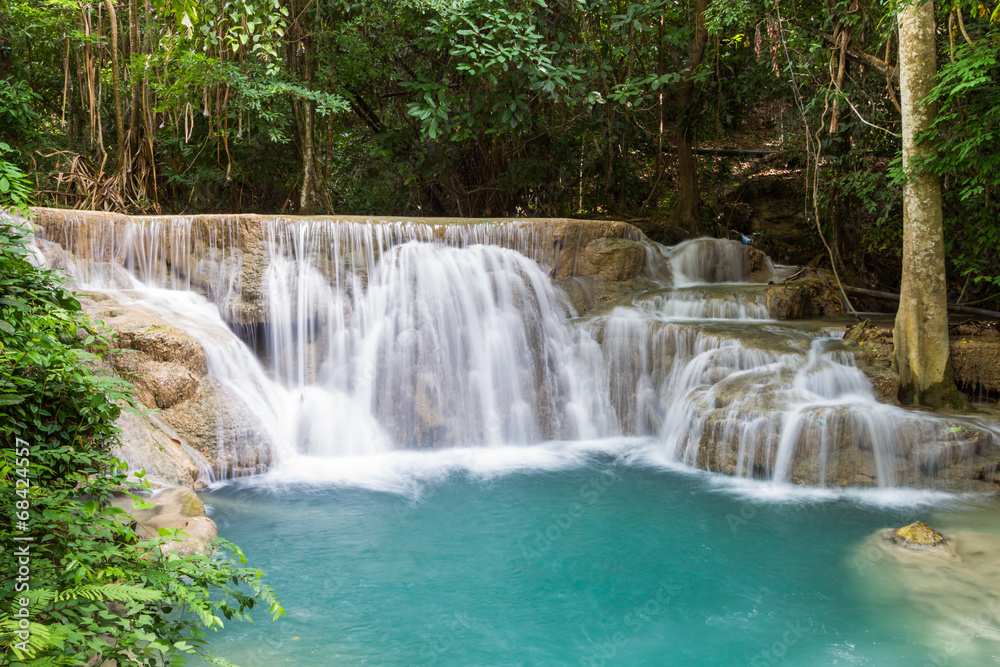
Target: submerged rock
949 590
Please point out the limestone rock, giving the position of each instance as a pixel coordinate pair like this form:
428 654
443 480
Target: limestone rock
613 259
975 357
975 354
810 295
174 508
758 266
226 256
871 344
198 427
918 535
164 365
147 443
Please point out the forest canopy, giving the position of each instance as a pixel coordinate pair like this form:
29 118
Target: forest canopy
658 110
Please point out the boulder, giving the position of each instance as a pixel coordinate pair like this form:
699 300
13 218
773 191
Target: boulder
148 443
176 508
917 535
613 259
809 295
196 428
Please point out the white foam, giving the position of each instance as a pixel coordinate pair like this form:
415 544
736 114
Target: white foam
784 492
406 472
410 472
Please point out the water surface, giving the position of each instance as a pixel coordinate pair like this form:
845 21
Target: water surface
558 555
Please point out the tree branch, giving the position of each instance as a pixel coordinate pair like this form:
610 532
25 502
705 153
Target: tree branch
876 64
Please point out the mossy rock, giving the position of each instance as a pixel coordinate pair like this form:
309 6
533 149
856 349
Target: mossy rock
919 535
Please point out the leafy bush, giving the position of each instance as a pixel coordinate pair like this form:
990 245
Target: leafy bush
14 188
79 586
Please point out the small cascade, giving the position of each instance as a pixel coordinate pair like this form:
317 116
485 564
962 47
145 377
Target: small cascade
701 303
771 411
708 261
375 335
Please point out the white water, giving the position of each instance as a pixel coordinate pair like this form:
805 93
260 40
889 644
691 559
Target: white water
396 335
444 346
706 261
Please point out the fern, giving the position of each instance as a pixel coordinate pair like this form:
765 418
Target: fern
117 592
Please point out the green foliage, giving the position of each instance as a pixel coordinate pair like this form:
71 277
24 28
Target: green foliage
254 27
966 134
93 588
502 58
17 117
15 191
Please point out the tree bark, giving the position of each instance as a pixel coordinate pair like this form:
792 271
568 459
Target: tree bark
307 195
133 45
116 78
920 335
686 211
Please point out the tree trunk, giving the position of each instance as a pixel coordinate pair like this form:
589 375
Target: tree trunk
920 336
133 45
116 78
686 210
307 195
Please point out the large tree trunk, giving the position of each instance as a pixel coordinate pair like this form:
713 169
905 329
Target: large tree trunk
921 332
686 210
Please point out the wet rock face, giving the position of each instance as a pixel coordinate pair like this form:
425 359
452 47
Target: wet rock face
167 370
810 295
227 257
165 367
612 250
612 259
149 444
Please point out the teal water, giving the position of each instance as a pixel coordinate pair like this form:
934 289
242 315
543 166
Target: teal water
602 559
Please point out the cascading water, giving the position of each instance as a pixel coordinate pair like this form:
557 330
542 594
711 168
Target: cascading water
443 346
388 335
471 461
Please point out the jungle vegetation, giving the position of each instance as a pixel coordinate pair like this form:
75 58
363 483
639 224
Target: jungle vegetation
597 108
79 585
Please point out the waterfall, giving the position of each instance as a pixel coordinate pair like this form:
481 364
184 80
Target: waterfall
345 337
443 346
706 261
